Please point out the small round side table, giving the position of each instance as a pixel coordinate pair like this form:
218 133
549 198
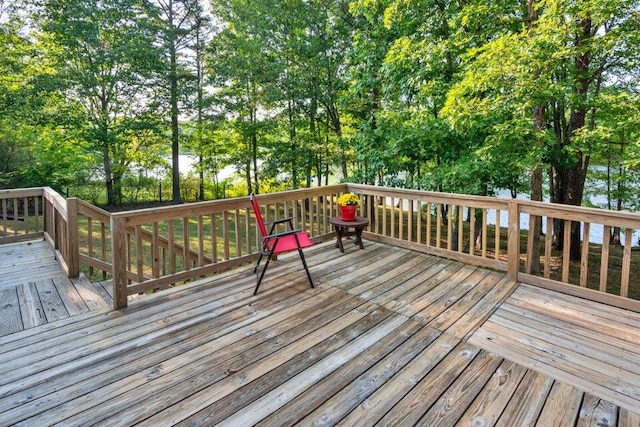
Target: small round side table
342 229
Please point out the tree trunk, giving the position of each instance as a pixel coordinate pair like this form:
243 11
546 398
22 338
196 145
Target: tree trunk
108 176
292 143
175 143
539 125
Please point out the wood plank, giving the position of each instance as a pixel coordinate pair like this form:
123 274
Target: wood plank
524 407
433 288
452 404
409 409
274 400
95 298
193 393
617 353
466 275
10 319
561 407
628 418
72 300
442 304
374 408
222 338
219 287
494 397
208 350
30 307
534 354
607 312
52 304
459 308
62 352
597 412
392 273
481 311
352 384
423 279
600 318
396 278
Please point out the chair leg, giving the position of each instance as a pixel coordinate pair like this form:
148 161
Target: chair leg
255 270
304 264
266 264
261 276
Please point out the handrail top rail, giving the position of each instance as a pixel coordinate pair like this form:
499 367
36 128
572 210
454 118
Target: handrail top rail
23 192
488 202
581 213
141 216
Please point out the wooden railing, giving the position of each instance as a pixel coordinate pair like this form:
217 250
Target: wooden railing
440 224
94 239
601 267
152 249
156 248
21 214
35 213
437 223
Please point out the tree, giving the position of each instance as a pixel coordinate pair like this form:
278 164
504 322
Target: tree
558 67
104 53
179 24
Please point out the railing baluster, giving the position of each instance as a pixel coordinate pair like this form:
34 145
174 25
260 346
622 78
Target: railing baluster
584 258
548 240
139 262
472 231
626 263
401 219
186 255
566 247
172 249
236 227
428 233
419 223
604 258
247 230
461 228
450 219
438 225
214 238
497 234
225 232
155 244
484 232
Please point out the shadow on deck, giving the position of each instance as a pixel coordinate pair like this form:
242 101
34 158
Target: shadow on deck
388 336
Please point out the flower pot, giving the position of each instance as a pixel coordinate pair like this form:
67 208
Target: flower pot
348 212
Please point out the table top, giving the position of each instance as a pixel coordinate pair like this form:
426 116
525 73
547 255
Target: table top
359 221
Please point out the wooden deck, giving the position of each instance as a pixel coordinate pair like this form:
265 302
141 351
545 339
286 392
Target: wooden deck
34 290
388 337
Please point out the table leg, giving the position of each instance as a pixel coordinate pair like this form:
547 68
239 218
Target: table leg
359 237
339 233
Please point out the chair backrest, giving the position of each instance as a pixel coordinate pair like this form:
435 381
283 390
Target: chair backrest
258 214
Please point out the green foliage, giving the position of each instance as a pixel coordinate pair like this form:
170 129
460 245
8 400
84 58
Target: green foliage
453 96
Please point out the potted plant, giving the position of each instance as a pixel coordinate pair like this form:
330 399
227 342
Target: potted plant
348 204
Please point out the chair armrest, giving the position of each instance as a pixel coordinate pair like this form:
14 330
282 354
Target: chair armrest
284 233
279 221
276 222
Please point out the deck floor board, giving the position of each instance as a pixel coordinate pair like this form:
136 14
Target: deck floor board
44 294
388 336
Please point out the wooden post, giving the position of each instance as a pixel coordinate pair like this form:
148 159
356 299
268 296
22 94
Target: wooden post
513 240
119 255
73 253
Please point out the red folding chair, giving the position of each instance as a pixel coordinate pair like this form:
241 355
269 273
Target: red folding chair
277 243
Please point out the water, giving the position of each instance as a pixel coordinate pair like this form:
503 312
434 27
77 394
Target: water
188 163
595 231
